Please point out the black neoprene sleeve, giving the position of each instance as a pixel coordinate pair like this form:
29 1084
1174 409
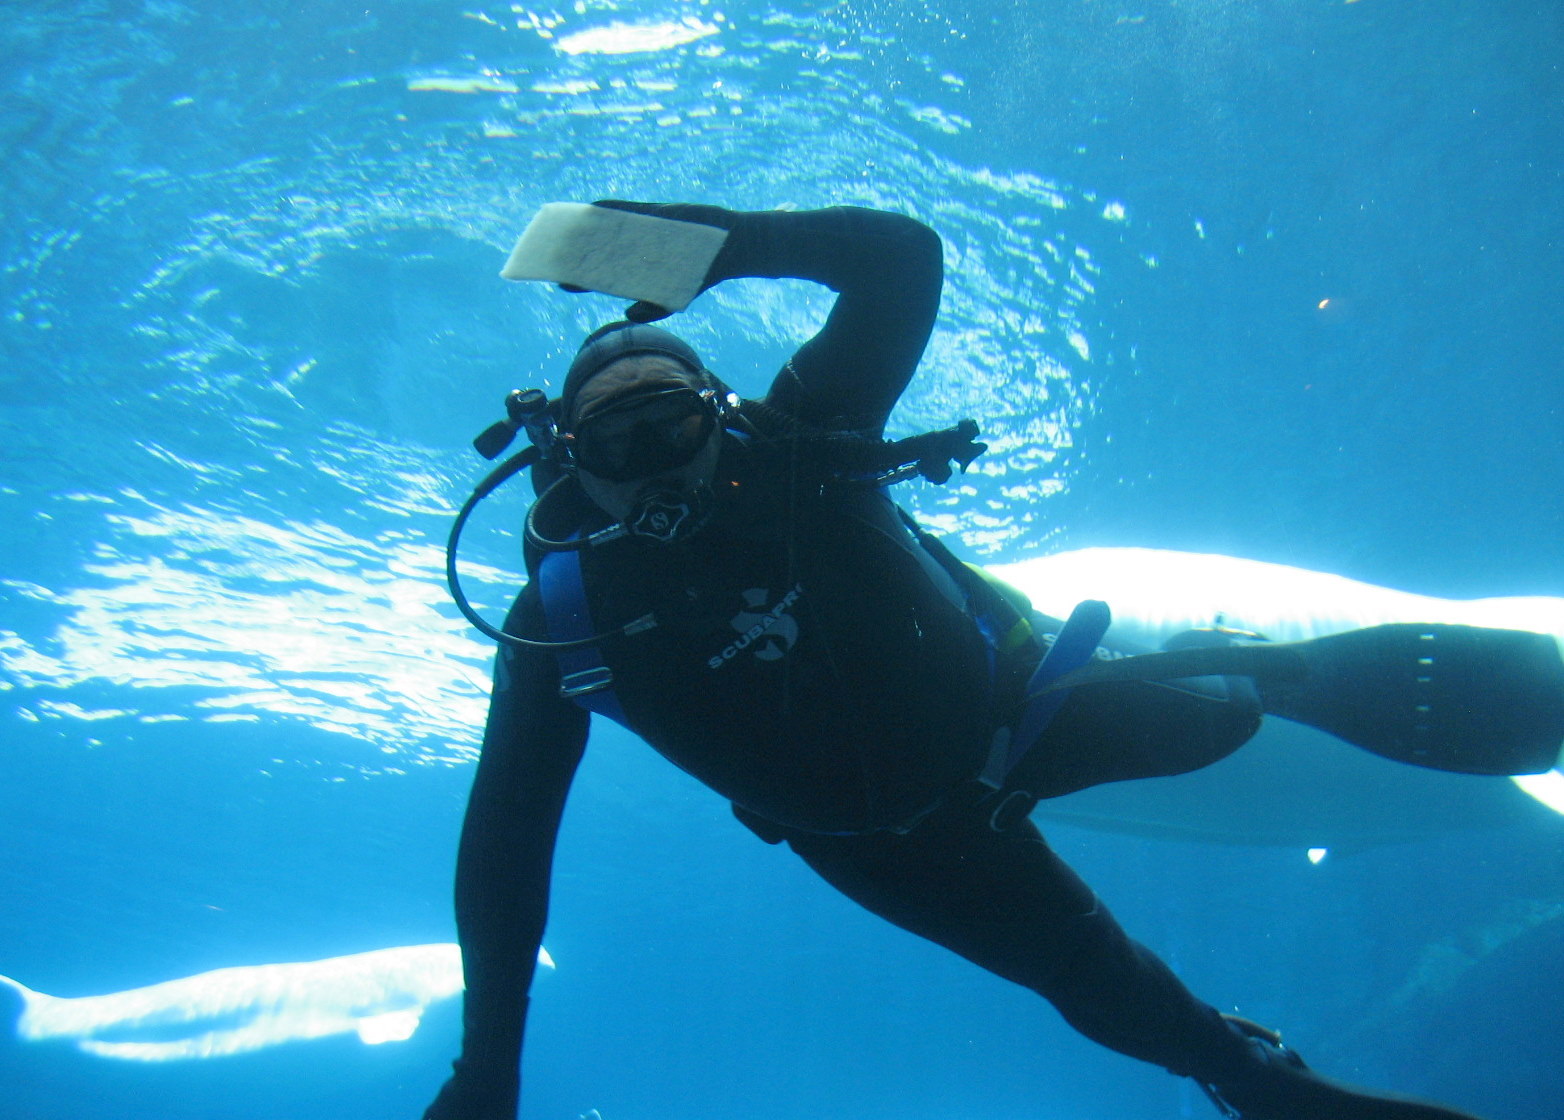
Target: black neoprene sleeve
887 270
532 744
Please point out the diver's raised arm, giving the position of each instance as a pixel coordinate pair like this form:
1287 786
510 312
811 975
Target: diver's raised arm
532 744
887 269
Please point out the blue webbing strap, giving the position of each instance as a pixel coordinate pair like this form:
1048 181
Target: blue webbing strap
1077 641
584 677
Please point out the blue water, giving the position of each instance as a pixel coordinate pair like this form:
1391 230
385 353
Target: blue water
1274 279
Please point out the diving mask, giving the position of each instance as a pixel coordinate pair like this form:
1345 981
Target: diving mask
644 434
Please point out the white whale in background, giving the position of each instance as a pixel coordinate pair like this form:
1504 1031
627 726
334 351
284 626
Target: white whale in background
1291 785
379 995
1155 593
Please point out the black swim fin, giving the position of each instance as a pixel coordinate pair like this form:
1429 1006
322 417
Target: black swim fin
1277 1084
1461 698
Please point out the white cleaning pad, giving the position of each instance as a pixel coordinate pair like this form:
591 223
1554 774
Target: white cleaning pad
633 256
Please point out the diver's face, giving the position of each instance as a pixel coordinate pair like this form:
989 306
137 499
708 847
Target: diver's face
610 394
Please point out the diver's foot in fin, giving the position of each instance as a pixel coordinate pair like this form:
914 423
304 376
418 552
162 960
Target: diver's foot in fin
1467 699
1279 1086
1462 698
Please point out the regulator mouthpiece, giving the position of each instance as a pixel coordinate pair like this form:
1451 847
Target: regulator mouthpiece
665 516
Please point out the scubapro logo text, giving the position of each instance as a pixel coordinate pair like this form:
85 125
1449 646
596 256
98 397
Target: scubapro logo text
777 625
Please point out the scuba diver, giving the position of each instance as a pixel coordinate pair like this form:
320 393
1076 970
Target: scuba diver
732 581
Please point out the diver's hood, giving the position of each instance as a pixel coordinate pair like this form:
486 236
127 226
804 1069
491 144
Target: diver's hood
607 345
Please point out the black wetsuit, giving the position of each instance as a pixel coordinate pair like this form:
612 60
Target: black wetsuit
864 701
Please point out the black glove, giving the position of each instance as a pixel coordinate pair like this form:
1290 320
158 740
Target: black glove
469 1097
486 1082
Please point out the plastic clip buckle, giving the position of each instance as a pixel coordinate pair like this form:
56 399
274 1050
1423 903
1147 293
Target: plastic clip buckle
585 682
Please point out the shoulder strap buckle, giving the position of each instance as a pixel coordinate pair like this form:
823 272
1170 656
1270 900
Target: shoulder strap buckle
584 682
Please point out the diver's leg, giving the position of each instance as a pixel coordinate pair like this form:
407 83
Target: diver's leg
1138 729
1006 902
